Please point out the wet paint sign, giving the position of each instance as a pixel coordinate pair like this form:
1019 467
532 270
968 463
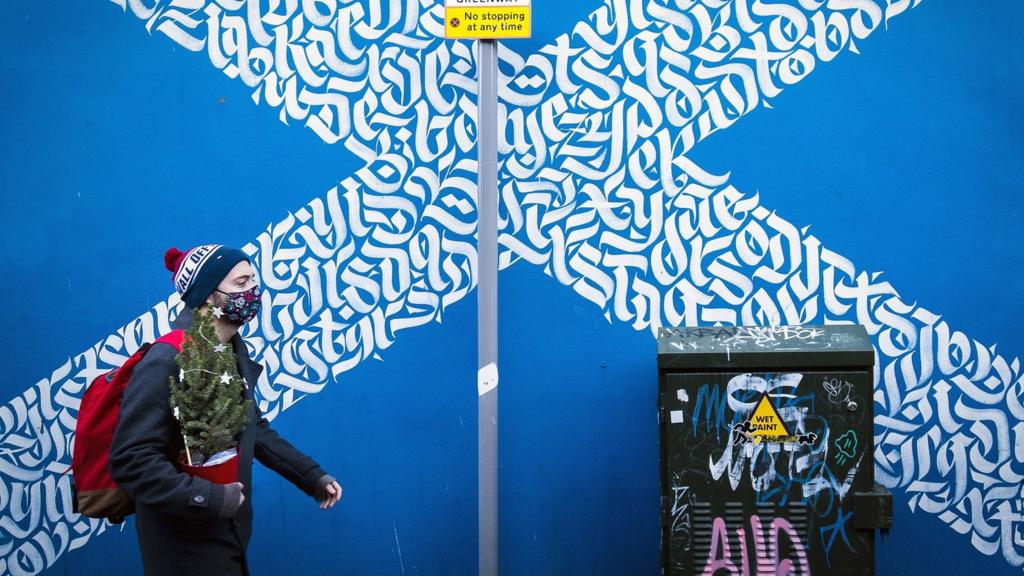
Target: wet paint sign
766 425
765 422
486 19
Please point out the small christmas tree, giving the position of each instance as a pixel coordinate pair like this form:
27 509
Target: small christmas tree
207 395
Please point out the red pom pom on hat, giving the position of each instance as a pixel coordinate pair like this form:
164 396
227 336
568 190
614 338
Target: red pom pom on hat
172 259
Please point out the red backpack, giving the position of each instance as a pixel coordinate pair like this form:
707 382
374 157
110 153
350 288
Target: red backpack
96 493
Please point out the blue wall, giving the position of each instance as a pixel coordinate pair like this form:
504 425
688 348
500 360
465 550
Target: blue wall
119 143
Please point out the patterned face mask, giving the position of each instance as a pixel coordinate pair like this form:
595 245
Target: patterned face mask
242 306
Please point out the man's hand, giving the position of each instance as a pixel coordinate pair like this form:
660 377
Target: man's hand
331 494
234 497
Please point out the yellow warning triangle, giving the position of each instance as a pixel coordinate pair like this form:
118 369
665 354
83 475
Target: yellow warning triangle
766 423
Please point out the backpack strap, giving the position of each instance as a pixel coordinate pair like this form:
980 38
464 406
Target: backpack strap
174 338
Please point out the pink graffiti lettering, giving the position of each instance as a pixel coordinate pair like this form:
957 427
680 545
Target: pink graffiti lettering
767 557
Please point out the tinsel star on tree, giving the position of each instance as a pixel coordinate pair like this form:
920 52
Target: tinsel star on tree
207 395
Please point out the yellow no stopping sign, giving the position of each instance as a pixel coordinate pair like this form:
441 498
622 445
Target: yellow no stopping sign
486 19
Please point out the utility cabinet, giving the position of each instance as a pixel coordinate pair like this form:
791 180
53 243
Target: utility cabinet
766 451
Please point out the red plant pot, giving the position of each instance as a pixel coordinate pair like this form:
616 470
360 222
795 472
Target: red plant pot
224 473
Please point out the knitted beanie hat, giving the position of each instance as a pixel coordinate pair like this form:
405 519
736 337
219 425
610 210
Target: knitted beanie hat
198 272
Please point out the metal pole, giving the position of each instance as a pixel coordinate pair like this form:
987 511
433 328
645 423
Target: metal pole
487 304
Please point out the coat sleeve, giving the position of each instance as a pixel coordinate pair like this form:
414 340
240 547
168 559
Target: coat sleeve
279 455
146 432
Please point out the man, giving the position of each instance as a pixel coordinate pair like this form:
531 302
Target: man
188 525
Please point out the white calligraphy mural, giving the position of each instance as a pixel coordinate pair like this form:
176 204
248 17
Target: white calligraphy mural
596 188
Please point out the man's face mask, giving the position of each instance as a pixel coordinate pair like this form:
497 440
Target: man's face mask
241 307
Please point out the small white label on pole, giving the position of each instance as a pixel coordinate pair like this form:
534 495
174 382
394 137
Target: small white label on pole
487 379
